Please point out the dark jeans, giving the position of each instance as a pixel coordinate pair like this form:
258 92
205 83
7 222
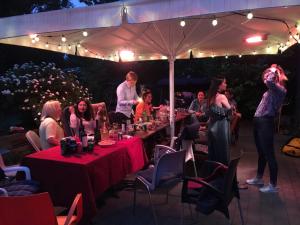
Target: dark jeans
264 140
122 118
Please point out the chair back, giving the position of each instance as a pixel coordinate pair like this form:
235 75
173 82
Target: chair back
169 167
34 140
65 119
34 209
230 182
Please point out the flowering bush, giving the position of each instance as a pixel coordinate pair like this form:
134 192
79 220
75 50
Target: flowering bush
29 86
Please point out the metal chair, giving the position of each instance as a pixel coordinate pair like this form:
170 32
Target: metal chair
36 209
34 140
166 173
213 192
188 146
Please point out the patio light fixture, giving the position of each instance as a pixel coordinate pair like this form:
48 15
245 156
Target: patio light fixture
256 39
126 55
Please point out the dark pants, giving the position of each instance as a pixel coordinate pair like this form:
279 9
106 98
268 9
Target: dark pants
122 118
264 140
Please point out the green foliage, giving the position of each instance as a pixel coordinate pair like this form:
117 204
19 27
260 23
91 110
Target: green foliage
29 86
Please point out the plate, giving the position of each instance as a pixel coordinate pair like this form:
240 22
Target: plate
126 136
105 143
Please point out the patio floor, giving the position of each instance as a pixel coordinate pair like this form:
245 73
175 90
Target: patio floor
281 208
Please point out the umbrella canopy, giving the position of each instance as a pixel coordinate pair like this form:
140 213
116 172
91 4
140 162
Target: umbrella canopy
159 29
152 29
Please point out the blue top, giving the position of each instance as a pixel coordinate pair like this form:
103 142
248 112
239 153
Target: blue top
272 99
197 107
126 96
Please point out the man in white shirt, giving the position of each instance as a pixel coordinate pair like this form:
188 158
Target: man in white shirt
127 97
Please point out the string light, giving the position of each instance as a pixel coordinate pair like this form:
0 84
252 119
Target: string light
78 45
214 22
69 47
59 47
226 56
32 36
249 15
63 38
182 23
240 56
85 33
47 45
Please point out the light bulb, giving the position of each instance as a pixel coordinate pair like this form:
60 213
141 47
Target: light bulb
63 38
182 23
47 45
249 15
214 22
85 33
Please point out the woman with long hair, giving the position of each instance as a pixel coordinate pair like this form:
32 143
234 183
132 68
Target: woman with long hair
50 131
82 113
219 111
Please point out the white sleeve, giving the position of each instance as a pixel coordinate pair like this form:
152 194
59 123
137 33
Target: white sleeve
73 121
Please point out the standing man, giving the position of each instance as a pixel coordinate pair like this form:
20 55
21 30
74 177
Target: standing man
267 109
127 97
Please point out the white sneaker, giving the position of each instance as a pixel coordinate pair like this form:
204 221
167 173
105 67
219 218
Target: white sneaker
269 189
255 181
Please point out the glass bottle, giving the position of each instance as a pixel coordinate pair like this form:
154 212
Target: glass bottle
83 136
97 133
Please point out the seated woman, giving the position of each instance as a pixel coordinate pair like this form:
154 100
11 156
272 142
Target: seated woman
145 109
83 114
50 131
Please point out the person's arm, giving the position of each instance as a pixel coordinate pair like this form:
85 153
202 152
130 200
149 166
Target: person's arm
138 112
73 121
271 83
192 107
51 130
122 101
224 101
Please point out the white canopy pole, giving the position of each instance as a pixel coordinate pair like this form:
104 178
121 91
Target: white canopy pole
171 86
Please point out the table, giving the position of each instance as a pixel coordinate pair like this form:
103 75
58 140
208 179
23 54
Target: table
179 119
87 173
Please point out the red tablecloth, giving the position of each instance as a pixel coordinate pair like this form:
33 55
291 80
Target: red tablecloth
89 173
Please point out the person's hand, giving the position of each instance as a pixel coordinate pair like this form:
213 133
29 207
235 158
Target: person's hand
199 113
71 109
135 102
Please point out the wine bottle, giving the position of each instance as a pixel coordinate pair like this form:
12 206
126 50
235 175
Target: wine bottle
97 132
83 137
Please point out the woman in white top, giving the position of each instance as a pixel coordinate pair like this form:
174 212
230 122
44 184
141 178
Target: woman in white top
83 111
50 131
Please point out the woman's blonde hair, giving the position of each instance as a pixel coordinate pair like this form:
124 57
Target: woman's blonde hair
51 109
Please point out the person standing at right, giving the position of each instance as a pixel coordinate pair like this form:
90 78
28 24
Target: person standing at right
267 109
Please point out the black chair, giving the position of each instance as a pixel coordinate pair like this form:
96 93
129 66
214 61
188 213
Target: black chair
65 119
214 191
166 173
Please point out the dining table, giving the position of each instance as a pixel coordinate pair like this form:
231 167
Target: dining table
89 173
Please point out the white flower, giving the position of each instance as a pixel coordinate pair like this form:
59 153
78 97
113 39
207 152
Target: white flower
49 82
57 93
6 92
26 100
